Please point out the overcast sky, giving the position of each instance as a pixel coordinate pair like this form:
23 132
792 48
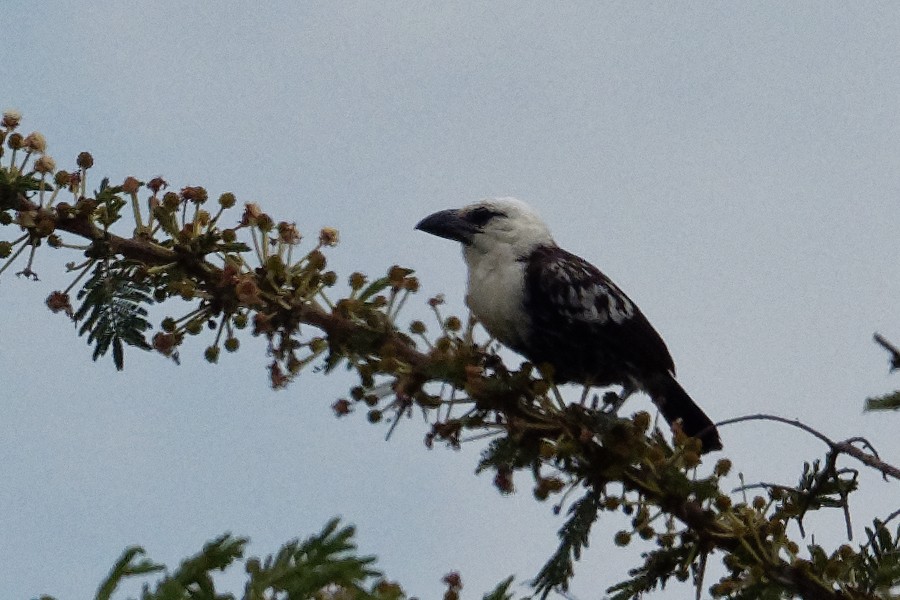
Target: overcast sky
735 167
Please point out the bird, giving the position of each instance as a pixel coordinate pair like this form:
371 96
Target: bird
555 308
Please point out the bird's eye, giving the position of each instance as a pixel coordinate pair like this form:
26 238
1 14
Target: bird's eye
481 215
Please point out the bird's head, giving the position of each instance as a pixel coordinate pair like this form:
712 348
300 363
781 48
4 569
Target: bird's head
494 225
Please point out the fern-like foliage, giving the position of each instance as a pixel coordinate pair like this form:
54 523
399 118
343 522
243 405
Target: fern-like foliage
112 306
574 536
877 566
655 572
323 564
501 592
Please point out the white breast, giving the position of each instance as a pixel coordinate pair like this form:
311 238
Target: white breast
496 294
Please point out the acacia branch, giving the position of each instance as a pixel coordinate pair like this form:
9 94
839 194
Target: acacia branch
514 414
844 447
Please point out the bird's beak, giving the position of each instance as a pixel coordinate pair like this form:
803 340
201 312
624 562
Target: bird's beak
450 225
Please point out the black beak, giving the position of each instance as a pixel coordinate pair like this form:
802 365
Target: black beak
450 225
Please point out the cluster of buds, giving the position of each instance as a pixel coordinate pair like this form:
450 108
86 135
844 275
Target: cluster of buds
33 144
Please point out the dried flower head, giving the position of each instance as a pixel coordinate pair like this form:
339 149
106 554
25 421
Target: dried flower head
74 180
196 194
131 185
156 184
164 343
45 164
288 233
35 142
11 119
252 212
341 407
328 236
59 302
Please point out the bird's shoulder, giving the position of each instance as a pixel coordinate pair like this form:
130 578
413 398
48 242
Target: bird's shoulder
574 287
570 301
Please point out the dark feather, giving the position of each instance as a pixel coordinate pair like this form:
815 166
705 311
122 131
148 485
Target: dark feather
591 333
584 325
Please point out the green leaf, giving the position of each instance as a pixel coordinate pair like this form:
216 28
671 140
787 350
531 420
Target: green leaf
501 592
373 288
887 402
126 566
113 310
233 247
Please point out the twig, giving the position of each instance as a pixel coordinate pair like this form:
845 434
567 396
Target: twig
845 447
892 349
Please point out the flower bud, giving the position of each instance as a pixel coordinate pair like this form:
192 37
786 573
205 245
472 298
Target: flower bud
85 160
212 354
357 281
453 324
329 278
227 200
15 141
62 178
723 466
264 222
171 200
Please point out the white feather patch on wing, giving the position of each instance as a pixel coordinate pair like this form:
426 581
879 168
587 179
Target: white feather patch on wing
584 297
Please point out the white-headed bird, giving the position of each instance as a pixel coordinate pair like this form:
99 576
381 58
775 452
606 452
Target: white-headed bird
556 308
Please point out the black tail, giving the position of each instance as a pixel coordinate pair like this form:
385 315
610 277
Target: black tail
674 404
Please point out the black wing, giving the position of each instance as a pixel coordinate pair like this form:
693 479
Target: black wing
585 326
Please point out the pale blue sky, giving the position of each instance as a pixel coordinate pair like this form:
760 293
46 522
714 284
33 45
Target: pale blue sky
735 168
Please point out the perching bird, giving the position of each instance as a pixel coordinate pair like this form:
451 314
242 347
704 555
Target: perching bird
556 308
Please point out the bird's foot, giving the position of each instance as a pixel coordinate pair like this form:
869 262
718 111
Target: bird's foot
612 402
